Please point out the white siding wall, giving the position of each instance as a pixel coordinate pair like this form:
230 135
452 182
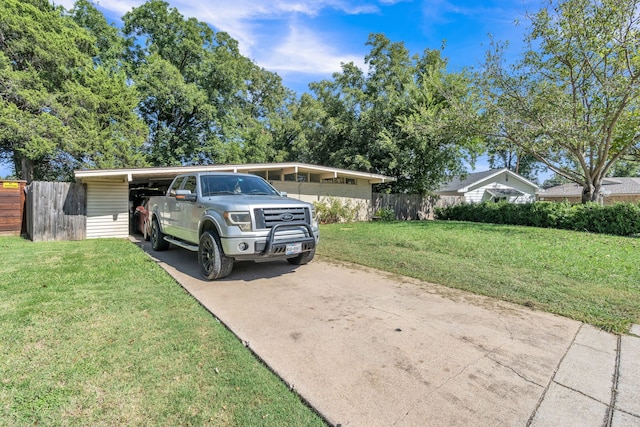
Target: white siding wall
107 208
478 194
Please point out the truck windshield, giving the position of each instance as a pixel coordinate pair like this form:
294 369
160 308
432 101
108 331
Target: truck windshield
214 185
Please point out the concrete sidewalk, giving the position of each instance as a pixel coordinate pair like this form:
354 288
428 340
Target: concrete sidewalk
366 348
596 384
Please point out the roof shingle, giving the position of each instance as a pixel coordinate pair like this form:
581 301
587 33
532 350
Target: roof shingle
610 186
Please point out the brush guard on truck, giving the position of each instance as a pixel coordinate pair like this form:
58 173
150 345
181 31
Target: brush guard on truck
292 247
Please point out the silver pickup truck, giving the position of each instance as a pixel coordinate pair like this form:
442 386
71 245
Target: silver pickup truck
231 216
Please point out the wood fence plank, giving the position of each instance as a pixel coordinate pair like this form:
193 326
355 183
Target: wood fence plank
11 206
56 211
411 206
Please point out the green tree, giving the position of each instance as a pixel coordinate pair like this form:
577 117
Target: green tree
110 44
294 128
572 100
394 120
58 111
554 180
203 101
504 155
625 168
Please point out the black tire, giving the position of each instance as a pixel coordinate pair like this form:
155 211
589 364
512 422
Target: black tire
214 264
157 237
303 258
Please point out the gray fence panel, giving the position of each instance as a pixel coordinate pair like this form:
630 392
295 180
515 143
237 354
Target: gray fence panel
412 206
56 211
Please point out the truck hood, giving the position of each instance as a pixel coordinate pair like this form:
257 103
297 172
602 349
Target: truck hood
248 202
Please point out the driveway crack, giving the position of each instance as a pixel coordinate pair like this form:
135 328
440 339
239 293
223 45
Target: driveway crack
384 311
444 383
514 371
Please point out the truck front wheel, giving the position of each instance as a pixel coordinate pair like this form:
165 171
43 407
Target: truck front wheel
214 264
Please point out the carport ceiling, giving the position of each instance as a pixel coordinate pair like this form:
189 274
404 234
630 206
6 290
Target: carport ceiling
162 176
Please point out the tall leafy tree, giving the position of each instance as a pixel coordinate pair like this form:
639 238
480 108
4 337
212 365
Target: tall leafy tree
393 120
501 154
626 168
111 46
572 100
203 101
58 110
294 128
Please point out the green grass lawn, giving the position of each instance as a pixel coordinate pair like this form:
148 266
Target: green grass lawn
588 277
95 333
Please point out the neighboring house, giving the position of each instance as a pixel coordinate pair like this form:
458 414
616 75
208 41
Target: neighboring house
109 205
492 185
613 190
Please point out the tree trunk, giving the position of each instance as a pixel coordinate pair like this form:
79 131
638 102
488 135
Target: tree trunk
27 169
591 193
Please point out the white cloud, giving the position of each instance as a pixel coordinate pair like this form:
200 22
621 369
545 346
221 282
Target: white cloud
68 4
304 51
257 26
240 18
118 7
248 21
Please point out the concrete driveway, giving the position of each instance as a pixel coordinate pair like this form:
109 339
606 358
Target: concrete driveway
366 348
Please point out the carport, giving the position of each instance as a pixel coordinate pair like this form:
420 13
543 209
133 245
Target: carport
110 206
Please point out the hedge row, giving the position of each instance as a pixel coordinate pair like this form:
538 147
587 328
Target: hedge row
622 219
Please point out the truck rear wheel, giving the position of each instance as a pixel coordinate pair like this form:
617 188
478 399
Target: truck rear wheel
157 237
214 264
303 258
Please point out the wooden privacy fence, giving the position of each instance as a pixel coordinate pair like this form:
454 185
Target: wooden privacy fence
412 206
56 211
11 207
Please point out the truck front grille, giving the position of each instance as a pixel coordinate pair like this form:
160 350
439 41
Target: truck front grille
268 217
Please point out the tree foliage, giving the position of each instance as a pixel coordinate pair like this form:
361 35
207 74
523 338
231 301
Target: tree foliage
110 45
572 100
501 154
395 120
58 110
203 101
625 168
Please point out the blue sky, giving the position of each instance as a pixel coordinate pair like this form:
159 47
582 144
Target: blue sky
307 40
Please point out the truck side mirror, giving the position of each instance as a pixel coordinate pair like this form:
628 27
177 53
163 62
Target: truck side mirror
186 196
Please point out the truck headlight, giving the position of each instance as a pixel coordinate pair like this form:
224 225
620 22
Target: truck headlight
241 219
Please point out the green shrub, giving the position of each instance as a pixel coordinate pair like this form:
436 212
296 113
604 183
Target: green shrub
622 219
331 210
385 214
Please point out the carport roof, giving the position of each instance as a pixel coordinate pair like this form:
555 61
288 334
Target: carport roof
163 174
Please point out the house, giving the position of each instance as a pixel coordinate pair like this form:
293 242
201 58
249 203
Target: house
491 185
109 204
613 190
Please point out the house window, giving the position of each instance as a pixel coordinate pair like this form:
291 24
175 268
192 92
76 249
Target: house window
273 176
296 177
340 180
